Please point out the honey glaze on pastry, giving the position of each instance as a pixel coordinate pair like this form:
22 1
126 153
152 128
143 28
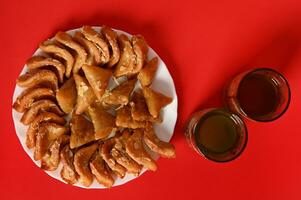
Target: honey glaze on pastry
110 127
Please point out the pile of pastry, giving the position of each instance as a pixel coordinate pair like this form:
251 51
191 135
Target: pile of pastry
110 128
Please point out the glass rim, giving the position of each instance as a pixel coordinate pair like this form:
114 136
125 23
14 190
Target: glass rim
288 100
242 126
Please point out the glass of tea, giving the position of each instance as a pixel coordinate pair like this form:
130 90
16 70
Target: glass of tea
217 134
262 94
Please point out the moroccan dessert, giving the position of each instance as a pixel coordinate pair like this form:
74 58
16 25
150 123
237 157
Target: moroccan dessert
75 117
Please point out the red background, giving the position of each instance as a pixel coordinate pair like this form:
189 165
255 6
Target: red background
204 43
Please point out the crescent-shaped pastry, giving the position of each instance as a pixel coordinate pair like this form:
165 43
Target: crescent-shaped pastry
51 159
35 124
81 55
105 152
101 171
81 164
37 62
93 57
53 48
140 48
134 148
119 154
46 134
38 107
29 96
38 77
97 39
164 149
111 37
68 172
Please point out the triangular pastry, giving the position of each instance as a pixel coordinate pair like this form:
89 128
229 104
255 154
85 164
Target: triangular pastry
103 122
82 131
66 96
120 95
147 73
98 78
155 101
85 94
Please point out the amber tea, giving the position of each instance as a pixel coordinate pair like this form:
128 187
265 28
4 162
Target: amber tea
260 94
217 134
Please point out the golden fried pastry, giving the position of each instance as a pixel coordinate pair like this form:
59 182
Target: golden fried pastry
147 74
34 126
164 149
101 171
94 57
111 129
98 78
111 37
155 101
81 164
51 159
97 39
66 96
126 61
55 49
119 154
37 62
140 48
82 131
46 134
105 152
125 120
81 55
103 122
29 96
35 78
139 110
120 95
85 94
134 148
38 107
68 172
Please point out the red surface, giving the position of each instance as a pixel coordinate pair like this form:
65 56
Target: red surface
203 43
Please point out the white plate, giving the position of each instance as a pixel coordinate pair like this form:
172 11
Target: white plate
163 83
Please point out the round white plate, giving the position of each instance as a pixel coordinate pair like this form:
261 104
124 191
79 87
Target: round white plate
162 82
